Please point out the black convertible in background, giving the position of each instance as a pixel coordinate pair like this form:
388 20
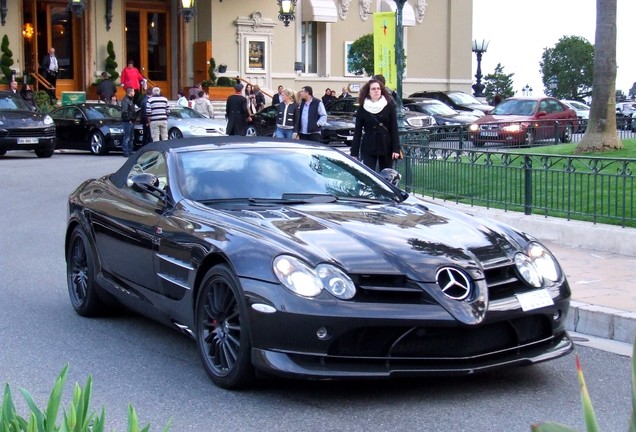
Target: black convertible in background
292 259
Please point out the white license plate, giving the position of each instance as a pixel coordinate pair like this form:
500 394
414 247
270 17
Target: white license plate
489 134
28 140
349 138
535 299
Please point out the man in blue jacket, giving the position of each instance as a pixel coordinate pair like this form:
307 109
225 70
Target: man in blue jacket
312 115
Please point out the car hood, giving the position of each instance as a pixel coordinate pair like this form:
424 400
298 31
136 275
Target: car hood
413 239
504 119
22 119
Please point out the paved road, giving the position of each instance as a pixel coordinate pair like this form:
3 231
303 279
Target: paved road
136 361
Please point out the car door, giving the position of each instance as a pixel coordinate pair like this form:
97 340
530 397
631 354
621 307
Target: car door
126 228
63 119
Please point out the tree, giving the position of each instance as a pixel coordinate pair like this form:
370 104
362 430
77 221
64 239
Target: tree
111 64
571 62
498 83
620 96
632 91
6 60
360 59
601 134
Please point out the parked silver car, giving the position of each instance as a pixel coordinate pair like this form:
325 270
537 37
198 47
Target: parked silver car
582 112
185 122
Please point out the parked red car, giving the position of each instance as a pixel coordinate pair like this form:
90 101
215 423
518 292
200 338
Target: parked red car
525 120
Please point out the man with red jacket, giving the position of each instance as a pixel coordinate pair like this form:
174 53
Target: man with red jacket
131 77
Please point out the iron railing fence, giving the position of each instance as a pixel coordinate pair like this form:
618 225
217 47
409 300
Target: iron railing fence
596 189
544 132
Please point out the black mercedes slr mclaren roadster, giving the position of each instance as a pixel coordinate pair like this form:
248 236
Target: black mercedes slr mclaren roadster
292 259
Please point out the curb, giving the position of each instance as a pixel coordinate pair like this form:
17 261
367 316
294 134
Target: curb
601 321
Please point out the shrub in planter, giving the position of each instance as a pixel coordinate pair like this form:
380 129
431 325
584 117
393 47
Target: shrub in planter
225 82
111 64
6 60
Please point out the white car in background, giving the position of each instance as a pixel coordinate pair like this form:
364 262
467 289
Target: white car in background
582 112
185 122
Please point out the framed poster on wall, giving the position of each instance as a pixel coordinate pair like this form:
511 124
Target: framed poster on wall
256 55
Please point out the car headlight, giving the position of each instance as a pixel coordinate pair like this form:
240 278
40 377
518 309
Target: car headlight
512 128
197 130
305 281
116 131
473 128
416 122
537 264
48 120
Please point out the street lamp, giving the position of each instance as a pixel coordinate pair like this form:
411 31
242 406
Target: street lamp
399 55
187 9
77 6
553 84
526 91
286 11
479 47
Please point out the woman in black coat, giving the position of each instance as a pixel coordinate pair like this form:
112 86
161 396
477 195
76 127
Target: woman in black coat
379 146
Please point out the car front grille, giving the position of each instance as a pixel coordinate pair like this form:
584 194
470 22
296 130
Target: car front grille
48 132
442 342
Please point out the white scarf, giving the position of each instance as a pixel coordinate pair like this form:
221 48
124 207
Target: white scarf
375 107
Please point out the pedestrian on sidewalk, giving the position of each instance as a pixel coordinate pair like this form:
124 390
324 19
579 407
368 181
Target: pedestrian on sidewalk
236 112
203 106
131 77
128 115
287 118
106 89
157 112
312 115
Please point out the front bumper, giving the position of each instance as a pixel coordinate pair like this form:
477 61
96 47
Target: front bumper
327 338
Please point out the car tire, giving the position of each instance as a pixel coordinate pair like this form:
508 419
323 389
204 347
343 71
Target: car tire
222 330
43 153
479 143
98 143
3 152
566 136
80 271
251 131
174 133
529 137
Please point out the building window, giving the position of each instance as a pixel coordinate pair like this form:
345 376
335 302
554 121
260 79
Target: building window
310 46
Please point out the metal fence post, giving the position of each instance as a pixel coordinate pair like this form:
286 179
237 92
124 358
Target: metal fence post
527 169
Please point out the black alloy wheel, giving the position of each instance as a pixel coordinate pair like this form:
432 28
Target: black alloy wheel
222 330
80 270
98 143
251 131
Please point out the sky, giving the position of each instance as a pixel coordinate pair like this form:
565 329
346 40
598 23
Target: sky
519 30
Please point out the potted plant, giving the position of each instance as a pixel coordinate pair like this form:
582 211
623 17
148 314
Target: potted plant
221 88
6 60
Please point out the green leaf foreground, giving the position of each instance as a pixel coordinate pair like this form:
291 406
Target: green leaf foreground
78 418
589 415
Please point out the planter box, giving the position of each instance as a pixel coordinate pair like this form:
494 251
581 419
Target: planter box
220 93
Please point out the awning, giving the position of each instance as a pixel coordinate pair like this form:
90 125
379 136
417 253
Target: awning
319 10
408 14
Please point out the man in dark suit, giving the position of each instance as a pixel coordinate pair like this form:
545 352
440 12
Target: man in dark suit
278 97
50 68
236 112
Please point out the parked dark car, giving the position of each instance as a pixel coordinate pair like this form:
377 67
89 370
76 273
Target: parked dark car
22 128
96 127
457 100
291 259
335 131
525 120
347 107
442 113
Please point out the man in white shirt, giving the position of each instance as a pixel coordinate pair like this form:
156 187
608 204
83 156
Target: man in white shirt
50 68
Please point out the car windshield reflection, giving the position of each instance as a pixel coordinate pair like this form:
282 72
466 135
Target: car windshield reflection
516 107
262 174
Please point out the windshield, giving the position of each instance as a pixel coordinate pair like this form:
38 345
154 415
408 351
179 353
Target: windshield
185 113
434 109
103 112
274 174
463 99
579 106
524 107
9 102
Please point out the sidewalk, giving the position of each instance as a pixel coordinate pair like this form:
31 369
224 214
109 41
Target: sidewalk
599 262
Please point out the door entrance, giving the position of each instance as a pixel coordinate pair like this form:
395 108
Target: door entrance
148 42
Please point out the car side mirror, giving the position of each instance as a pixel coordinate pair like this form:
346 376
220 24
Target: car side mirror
391 176
542 114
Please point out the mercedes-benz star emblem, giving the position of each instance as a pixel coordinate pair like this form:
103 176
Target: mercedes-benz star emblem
454 283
